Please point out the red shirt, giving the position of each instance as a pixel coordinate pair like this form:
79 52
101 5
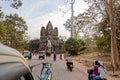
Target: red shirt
95 71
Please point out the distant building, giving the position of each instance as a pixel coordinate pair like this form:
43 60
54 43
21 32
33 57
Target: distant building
49 40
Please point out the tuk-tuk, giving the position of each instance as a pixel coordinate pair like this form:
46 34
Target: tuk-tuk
13 66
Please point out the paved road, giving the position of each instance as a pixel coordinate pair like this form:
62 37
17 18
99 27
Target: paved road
59 70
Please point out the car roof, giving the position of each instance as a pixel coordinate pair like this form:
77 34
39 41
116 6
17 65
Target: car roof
26 51
12 61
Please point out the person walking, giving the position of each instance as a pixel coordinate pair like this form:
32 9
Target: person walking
60 56
54 56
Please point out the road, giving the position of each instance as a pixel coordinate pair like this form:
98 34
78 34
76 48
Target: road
59 70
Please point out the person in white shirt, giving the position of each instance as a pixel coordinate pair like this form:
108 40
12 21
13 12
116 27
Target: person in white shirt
102 72
69 61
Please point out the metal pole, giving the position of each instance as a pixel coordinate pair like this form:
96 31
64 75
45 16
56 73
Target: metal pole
72 11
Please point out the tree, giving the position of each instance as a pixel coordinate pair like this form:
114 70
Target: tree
2 26
73 45
34 45
103 39
78 25
16 4
108 8
16 28
3 31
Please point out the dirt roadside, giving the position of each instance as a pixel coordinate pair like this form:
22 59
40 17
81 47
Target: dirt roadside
85 63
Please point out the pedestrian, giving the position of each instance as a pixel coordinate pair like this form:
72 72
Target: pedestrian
61 56
54 56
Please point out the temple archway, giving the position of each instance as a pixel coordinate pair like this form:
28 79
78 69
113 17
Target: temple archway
48 35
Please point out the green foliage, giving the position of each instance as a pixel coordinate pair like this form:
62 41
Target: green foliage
16 4
14 31
2 29
34 45
73 45
81 42
103 43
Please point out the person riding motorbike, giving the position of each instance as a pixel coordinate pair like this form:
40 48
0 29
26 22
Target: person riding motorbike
69 63
102 72
93 71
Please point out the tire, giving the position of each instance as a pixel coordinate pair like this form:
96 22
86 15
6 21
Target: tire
70 69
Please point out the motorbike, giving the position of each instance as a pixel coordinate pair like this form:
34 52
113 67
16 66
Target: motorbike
69 65
46 73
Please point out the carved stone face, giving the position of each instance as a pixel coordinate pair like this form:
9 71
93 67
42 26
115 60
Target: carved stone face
49 28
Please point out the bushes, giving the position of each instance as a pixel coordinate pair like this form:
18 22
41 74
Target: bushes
73 45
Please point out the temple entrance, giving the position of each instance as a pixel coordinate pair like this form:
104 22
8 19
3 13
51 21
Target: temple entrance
49 40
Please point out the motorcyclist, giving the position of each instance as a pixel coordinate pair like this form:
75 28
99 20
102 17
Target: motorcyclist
69 61
93 71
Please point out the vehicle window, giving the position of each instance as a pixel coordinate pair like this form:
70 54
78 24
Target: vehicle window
22 78
26 77
26 52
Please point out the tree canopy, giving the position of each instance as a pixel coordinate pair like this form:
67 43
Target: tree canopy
73 45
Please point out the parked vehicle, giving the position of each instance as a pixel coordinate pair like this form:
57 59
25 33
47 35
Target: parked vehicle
42 54
27 54
13 65
46 73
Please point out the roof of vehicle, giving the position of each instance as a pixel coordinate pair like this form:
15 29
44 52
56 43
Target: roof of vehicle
11 61
26 51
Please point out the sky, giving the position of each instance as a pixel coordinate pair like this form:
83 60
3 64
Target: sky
37 13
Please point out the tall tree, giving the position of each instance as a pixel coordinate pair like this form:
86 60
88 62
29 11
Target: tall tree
110 7
16 27
79 23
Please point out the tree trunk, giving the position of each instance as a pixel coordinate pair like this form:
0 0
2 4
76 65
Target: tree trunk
114 49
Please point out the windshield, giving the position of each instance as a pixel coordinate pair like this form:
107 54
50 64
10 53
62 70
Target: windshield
26 52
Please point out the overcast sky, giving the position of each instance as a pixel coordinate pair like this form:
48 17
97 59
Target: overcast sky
37 13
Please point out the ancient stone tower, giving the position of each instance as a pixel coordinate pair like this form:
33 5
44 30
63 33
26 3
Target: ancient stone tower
49 39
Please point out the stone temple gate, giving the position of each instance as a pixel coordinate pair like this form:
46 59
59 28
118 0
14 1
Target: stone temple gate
49 40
